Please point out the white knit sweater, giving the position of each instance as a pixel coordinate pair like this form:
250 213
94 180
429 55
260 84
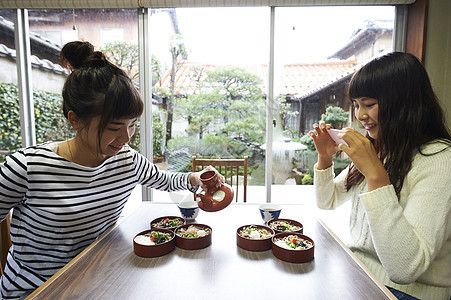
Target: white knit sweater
406 243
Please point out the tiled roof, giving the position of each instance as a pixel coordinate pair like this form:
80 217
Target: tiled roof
298 80
36 62
301 80
367 34
42 64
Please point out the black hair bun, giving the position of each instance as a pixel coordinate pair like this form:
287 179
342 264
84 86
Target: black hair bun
74 54
96 59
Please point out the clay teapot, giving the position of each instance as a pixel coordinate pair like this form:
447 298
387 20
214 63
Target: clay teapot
215 198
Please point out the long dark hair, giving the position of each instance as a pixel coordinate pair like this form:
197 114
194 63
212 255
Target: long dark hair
409 112
97 87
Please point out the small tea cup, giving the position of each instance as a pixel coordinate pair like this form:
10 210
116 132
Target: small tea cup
189 209
269 211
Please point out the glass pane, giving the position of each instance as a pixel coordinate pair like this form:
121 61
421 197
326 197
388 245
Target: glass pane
9 100
210 87
113 31
317 51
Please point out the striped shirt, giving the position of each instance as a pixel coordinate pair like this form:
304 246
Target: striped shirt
61 207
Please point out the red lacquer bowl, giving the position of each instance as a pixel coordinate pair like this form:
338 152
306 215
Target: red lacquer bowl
250 244
292 255
188 243
154 250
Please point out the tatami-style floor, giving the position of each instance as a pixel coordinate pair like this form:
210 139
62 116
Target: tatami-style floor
337 220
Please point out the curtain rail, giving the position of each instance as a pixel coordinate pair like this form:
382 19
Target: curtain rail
86 4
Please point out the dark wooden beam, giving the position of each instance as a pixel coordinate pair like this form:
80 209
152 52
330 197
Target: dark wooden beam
416 28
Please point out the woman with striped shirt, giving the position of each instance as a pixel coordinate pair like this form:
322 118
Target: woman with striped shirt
64 195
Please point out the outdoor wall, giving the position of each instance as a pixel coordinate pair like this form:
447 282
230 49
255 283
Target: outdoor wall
438 51
48 81
44 80
9 70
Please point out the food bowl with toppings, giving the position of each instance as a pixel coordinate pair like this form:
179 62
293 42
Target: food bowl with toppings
154 242
254 237
293 247
193 236
168 222
285 225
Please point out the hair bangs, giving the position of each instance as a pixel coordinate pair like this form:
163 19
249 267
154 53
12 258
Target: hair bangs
127 100
362 84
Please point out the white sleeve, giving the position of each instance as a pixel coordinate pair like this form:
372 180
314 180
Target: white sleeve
409 234
330 192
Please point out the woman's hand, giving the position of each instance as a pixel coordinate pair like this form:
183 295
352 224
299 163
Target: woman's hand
195 178
324 144
363 155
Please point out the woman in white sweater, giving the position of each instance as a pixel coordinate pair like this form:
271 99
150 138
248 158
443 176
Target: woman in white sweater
399 178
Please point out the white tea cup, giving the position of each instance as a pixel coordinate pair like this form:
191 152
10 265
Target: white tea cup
269 211
189 209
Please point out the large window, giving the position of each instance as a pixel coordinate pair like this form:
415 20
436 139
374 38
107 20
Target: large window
317 49
9 99
212 95
50 30
211 73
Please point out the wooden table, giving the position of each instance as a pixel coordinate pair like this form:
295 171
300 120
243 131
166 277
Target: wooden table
109 269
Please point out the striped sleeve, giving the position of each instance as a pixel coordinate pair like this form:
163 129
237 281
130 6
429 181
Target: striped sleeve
13 182
150 175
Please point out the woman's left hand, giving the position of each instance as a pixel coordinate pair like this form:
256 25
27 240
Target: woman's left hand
195 178
363 155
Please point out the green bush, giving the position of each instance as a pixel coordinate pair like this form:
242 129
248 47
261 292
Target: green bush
307 179
335 116
50 123
9 117
307 140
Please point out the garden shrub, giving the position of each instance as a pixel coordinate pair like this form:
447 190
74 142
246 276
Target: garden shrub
50 123
9 118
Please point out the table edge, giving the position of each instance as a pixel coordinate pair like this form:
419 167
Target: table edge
74 260
358 261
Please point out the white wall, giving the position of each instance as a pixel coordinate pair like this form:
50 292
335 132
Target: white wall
438 51
41 80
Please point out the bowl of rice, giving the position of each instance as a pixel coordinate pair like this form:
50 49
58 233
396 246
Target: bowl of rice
193 236
285 225
154 242
167 222
293 247
254 237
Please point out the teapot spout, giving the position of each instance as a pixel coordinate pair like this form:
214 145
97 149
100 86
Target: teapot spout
204 202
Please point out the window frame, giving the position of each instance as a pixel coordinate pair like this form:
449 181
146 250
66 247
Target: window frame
409 35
